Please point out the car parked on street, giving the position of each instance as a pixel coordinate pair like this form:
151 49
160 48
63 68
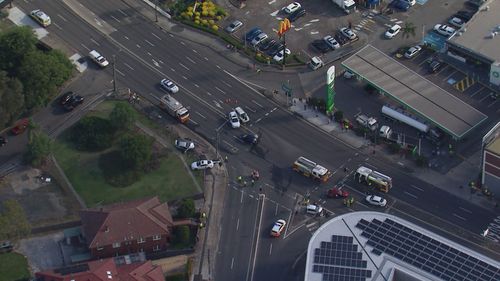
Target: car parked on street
316 63
347 32
234 120
464 15
444 30
242 115
321 46
279 56
20 126
202 165
392 31
234 26
278 228
412 51
434 66
331 42
376 200
292 7
184 145
296 15
66 97
41 17
169 86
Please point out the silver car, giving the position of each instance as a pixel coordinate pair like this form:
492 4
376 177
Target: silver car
347 32
184 144
234 26
331 42
169 86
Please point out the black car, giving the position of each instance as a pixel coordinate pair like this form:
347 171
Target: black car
297 14
464 15
341 38
321 45
267 44
73 103
275 49
66 97
434 66
250 138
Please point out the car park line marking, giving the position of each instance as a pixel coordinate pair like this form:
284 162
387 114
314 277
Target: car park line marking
152 45
218 66
127 65
314 20
196 85
462 218
271 2
119 72
232 146
485 97
424 61
56 25
115 19
123 13
126 37
201 115
220 90
314 32
305 25
191 60
275 30
251 109
449 76
182 43
273 14
184 66
492 104
95 42
62 17
155 63
238 222
417 188
476 92
185 78
442 69
232 263
257 103
169 34
465 210
227 84
218 104
157 37
399 22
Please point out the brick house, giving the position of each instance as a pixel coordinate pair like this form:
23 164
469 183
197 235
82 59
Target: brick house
138 226
103 270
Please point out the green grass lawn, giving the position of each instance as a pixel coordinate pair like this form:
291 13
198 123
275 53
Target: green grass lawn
170 181
13 266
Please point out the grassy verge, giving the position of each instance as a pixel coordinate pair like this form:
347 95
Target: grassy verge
13 266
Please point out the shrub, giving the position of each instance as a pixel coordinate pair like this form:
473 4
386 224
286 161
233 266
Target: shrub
186 209
215 27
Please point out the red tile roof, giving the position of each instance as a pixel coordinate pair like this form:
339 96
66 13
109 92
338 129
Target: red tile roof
125 221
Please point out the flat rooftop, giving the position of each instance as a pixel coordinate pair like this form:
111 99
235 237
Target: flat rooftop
375 246
477 35
420 95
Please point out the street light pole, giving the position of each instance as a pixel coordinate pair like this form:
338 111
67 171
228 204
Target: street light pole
114 74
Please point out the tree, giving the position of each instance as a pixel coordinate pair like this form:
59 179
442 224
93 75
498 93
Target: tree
92 133
135 150
13 221
11 99
186 209
409 29
15 44
39 148
122 116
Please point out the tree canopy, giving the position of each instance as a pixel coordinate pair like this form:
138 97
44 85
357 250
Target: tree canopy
11 99
135 150
39 148
123 116
92 133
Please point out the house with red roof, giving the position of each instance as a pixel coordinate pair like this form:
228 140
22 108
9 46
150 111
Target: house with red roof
104 270
143 225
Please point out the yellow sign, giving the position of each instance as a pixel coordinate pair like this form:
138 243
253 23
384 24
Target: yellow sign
284 26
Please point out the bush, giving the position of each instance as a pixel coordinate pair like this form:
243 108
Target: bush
123 116
39 148
92 133
186 209
135 151
215 27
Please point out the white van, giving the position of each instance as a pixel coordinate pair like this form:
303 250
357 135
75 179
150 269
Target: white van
314 210
100 60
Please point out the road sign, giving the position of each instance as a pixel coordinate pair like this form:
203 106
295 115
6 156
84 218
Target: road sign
286 87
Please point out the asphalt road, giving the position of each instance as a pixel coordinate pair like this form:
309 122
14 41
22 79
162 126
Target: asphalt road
145 54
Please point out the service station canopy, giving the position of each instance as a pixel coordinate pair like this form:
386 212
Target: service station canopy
420 95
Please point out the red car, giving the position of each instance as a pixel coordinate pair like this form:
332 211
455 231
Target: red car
20 127
337 192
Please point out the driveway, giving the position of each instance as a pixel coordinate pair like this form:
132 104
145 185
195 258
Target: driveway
43 252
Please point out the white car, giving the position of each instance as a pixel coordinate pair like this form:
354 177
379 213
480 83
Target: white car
444 30
234 120
292 7
98 58
376 200
393 31
411 52
457 22
314 210
41 17
347 32
235 25
330 41
169 86
242 115
278 227
202 165
279 56
258 39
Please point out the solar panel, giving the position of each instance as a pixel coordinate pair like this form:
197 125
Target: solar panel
424 252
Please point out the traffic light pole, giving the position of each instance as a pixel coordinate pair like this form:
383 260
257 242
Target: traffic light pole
284 50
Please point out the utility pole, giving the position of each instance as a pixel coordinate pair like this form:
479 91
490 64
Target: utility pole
114 74
284 55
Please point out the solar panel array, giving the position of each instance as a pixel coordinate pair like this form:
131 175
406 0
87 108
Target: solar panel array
424 252
340 260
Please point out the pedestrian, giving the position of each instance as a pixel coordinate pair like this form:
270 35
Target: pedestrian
345 169
253 182
240 179
225 158
245 183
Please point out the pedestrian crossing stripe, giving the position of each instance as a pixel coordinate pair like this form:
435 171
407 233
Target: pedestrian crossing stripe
464 84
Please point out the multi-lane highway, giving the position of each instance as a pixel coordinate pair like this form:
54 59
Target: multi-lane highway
210 88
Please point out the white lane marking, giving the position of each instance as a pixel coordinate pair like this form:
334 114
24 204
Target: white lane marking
257 103
85 47
241 199
62 17
194 51
205 58
157 37
185 78
201 115
57 26
115 19
273 14
227 84
196 85
232 263
208 93
123 13
160 61
172 69
189 59
149 43
271 249
95 42
182 43
155 63
465 210
251 109
462 218
314 32
220 90
194 122
266 114
119 72
271 2
127 65
218 66
272 110
238 224
314 20
412 195
171 35
150 54
417 188
258 120
184 66
138 46
126 37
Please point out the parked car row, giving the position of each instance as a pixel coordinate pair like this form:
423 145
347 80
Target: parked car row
329 42
453 24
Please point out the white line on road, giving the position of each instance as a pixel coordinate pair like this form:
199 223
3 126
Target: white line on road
196 85
160 61
241 199
412 195
271 249
185 78
417 188
194 122
57 26
462 218
220 90
115 19
238 222
202 116
189 59
95 42
232 263
126 37
465 210
227 84
182 43
123 13
150 54
208 93
172 69
152 45
62 17
251 109
138 46
194 51
157 37
258 120
218 66
171 35
119 72
85 47
276 212
184 66
127 65
257 103
205 58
